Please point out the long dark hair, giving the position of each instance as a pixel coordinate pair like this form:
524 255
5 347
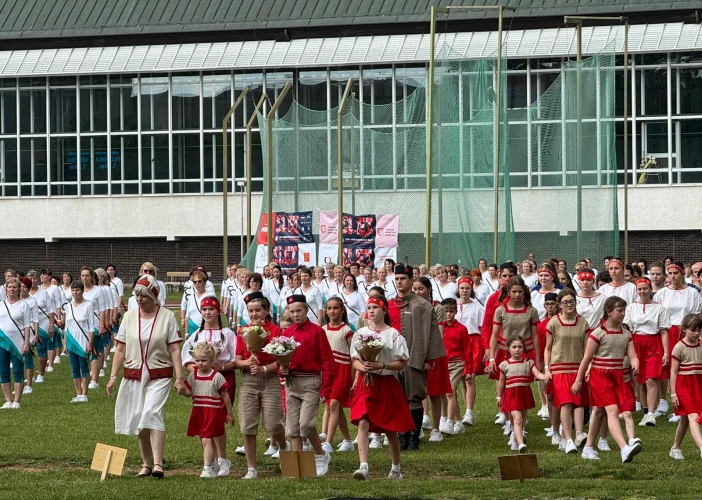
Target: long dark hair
515 281
427 284
386 316
344 312
610 305
281 281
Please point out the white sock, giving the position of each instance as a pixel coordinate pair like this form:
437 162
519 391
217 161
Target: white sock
207 467
449 422
252 469
395 468
662 401
364 465
442 420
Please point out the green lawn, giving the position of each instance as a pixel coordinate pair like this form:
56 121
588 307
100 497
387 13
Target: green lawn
47 446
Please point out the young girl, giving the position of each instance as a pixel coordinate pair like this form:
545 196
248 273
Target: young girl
605 349
354 303
380 405
225 343
212 407
686 384
546 393
514 394
310 375
339 335
260 386
470 313
547 284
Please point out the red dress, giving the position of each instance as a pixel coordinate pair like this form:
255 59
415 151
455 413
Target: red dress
438 380
688 385
339 341
518 378
383 403
209 414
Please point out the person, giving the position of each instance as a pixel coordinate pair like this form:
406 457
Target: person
566 281
66 286
589 302
514 394
389 266
547 284
604 358
212 407
337 286
272 289
528 275
649 322
380 405
117 283
470 313
482 291
25 286
149 268
93 293
255 285
658 276
441 287
339 334
55 343
618 287
15 320
311 379
490 278
225 343
686 383
293 283
260 387
365 283
148 348
566 334
313 296
47 318
546 392
191 315
228 288
111 301
389 286
354 303
415 319
80 338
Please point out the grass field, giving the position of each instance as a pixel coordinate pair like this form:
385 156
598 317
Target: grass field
46 448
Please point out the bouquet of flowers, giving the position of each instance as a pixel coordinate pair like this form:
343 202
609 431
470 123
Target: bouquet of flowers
254 337
368 345
282 349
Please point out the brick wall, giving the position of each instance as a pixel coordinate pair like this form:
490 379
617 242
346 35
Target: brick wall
685 246
126 254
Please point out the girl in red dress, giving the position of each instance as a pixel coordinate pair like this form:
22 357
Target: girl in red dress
380 405
212 407
514 395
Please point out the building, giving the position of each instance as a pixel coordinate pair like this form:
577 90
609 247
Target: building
111 110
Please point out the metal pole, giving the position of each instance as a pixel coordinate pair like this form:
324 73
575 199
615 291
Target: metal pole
269 148
225 177
249 155
579 144
498 110
340 169
626 141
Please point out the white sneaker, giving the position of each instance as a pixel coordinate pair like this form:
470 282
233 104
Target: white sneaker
102 373
375 444
327 447
322 437
361 474
321 463
270 451
570 447
649 419
395 475
387 443
15 406
673 418
522 448
543 413
512 440
346 445
93 385
638 406
57 360
104 364
421 436
500 419
580 438
514 446
507 428
549 432
633 441
208 472
39 379
306 445
629 452
663 406
276 455
6 406
458 428
215 466
27 389
447 428
80 399
224 467
469 418
426 423
562 444
556 439
49 369
251 474
602 445
241 451
436 436
676 454
590 454
114 349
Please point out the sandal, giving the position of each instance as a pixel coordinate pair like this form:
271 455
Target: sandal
144 474
158 474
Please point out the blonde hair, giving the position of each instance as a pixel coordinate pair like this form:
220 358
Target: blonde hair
150 266
206 350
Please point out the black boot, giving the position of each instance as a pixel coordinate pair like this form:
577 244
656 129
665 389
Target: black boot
417 416
404 440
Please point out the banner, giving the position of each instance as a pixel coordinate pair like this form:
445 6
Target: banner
328 252
382 254
307 254
290 231
366 238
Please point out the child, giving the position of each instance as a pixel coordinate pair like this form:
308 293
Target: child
260 387
470 313
273 446
212 407
686 384
516 375
311 378
605 349
339 335
458 354
380 405
545 392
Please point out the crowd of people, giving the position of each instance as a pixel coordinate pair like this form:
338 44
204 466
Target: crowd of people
393 350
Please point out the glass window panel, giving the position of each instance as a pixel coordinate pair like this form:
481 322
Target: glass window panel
33 111
217 95
154 156
8 112
213 162
377 86
312 90
274 85
126 79
255 82
8 82
516 91
691 149
63 110
125 157
338 81
123 108
8 166
186 102
33 166
154 103
186 156
655 92
33 82
94 157
93 80
93 110
65 162
62 81
690 90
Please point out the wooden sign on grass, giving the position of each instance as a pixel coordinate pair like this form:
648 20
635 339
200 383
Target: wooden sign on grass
297 464
108 459
519 467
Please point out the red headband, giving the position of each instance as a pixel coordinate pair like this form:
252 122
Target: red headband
617 261
682 271
465 279
376 301
643 280
584 275
547 270
211 302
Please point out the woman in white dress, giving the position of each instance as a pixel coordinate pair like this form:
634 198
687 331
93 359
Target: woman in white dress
366 283
385 284
272 289
353 301
14 343
25 287
148 344
442 288
192 318
312 294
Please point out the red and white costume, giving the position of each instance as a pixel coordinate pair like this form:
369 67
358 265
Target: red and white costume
607 386
688 385
472 315
646 322
339 341
209 413
518 394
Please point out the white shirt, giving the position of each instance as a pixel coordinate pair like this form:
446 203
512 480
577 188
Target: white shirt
364 288
355 306
538 297
471 316
482 293
447 291
493 285
333 289
646 319
531 281
679 303
390 289
627 291
395 348
272 291
314 302
119 285
591 308
224 342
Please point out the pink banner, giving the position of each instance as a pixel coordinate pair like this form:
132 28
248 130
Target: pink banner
328 228
387 228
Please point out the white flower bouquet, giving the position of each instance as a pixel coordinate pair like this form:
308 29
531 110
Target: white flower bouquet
282 349
254 337
368 345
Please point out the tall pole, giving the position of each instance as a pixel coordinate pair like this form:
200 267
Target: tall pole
626 141
225 177
340 168
498 110
249 160
269 149
579 144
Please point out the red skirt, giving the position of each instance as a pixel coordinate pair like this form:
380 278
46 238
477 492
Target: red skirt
500 356
517 398
475 363
230 377
383 403
438 380
630 401
207 422
689 391
673 338
649 349
561 384
607 388
341 390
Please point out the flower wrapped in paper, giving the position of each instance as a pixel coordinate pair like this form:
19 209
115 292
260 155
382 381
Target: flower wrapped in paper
254 337
282 349
368 345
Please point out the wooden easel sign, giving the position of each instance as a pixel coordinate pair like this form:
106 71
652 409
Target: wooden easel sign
108 459
519 467
297 464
